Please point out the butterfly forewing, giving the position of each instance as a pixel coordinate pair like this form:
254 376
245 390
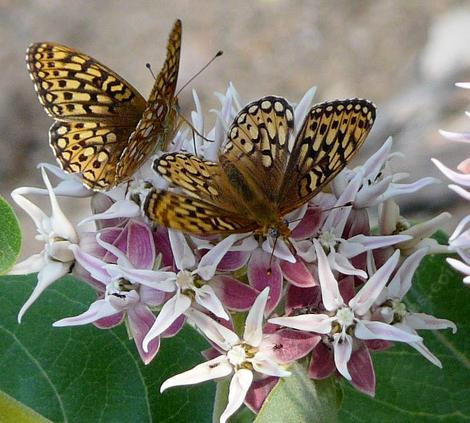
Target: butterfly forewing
158 124
331 134
74 86
257 152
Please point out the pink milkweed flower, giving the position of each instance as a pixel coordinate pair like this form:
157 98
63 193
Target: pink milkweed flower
346 323
120 297
58 236
255 355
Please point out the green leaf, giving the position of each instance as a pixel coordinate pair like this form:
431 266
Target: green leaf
14 411
84 374
10 237
298 399
410 388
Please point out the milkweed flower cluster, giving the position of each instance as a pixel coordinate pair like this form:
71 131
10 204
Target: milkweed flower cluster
459 241
331 292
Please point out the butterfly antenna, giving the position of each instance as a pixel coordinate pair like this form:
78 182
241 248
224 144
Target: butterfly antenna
193 128
348 204
218 54
149 67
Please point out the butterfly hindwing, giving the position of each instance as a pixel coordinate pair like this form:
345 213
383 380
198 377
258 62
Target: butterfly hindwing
193 215
331 134
89 148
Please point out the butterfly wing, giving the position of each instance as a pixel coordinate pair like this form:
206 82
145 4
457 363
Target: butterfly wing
73 86
256 155
158 123
193 215
207 204
95 110
331 134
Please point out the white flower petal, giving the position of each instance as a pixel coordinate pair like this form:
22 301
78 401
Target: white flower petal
378 330
170 311
401 282
206 297
212 369
36 214
48 275
342 347
120 209
163 281
332 299
98 310
253 334
319 323
215 332
32 264
302 108
61 226
264 364
239 385
182 254
366 296
209 262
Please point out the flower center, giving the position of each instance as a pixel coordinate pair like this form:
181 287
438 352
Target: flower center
328 240
399 310
345 317
185 280
237 355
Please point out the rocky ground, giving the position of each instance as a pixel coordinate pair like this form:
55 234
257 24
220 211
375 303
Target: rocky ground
404 55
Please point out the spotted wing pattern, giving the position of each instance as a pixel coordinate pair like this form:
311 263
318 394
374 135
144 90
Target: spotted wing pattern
158 124
95 111
262 174
331 134
193 215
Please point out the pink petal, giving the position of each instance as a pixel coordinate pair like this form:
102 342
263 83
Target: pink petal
140 320
116 237
286 345
140 246
322 364
210 353
299 298
233 260
378 345
265 272
309 225
362 372
298 273
162 246
258 392
346 288
174 328
234 294
110 322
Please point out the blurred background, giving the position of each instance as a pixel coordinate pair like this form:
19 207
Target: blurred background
403 55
